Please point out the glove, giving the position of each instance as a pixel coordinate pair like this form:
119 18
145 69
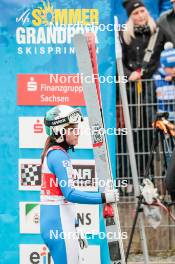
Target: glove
111 196
148 191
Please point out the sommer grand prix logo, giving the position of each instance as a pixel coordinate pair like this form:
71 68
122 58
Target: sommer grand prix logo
46 14
46 24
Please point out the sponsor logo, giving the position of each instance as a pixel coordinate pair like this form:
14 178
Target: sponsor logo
39 254
29 218
97 133
32 85
35 254
46 15
29 174
44 26
87 216
84 174
50 89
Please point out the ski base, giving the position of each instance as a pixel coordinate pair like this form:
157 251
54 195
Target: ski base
86 57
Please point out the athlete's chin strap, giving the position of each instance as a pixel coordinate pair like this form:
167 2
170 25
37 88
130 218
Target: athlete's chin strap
63 144
72 147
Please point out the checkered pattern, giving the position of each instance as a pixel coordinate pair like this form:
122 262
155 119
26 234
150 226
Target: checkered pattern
30 174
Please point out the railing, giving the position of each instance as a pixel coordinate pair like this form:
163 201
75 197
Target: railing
145 99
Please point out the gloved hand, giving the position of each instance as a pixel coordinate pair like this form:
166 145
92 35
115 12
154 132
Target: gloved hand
111 196
165 126
148 191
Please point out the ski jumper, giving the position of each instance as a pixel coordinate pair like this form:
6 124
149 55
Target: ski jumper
57 209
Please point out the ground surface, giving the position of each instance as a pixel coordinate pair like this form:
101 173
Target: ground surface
161 259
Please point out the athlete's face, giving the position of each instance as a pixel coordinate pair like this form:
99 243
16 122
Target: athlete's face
140 16
72 134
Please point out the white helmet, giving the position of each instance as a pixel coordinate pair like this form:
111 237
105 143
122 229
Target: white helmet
60 117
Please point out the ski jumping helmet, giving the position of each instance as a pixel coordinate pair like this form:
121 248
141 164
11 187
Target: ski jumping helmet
59 117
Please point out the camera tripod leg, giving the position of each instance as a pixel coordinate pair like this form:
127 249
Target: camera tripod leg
138 210
151 156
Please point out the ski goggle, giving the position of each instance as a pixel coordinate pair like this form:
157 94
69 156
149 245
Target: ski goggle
74 117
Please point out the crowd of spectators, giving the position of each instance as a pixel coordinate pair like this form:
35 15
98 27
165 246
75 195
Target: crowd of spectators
135 38
147 20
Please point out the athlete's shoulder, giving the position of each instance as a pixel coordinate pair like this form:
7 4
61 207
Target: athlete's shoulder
57 154
57 159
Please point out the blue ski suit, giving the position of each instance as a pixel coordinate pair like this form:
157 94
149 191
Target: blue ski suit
57 208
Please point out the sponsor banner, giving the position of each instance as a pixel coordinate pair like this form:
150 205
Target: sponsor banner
29 217
90 255
87 215
32 133
34 253
29 174
38 253
85 175
50 89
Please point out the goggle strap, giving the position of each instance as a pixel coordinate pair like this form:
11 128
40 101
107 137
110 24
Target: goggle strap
63 120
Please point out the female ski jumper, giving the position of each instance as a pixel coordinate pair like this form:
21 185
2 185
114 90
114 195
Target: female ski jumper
57 191
57 208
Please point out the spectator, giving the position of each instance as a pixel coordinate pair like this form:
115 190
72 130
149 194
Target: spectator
139 28
165 87
155 7
166 24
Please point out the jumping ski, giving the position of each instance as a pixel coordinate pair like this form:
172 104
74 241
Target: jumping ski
86 56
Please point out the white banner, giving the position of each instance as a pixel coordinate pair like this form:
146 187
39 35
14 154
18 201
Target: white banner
87 215
29 175
32 133
88 218
35 253
29 217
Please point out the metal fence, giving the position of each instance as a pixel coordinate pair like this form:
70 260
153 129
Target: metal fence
145 99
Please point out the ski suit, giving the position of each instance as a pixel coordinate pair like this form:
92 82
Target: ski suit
57 208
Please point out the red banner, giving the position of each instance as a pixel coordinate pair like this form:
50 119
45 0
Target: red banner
50 89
